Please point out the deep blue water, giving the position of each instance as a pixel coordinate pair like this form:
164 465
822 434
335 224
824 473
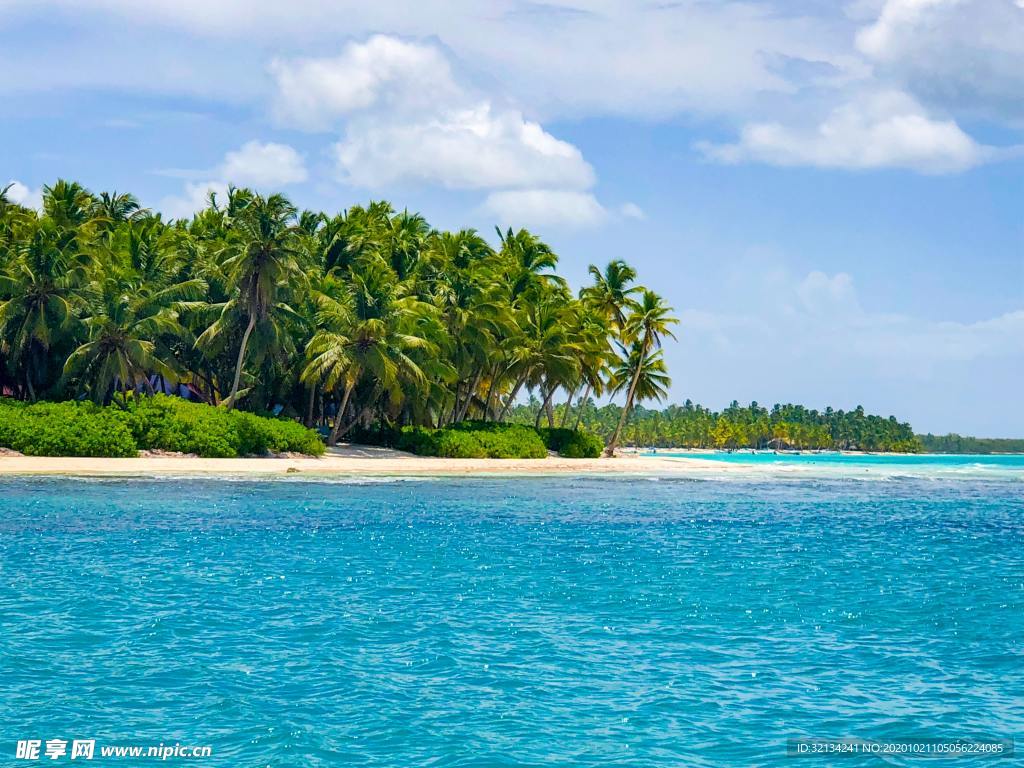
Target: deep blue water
526 622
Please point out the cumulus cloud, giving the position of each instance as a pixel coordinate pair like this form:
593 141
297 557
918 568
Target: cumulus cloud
194 198
384 72
473 148
886 129
406 118
966 54
545 208
262 166
20 194
632 211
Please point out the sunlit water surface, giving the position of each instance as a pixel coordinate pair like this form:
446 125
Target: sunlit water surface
489 622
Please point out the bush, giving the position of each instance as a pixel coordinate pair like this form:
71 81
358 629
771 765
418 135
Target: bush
479 439
154 423
582 445
555 437
65 429
473 440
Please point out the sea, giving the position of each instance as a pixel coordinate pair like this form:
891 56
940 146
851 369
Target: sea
530 621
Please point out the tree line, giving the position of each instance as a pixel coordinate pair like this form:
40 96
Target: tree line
368 316
752 426
954 443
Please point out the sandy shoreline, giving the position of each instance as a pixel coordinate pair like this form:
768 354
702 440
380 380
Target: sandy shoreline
352 462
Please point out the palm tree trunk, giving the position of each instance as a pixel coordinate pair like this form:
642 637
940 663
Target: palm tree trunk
613 443
489 401
333 438
548 410
579 406
31 389
568 408
241 358
457 403
511 398
540 411
309 406
469 395
365 415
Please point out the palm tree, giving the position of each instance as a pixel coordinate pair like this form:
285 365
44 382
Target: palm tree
263 261
328 354
68 204
41 290
645 327
611 294
594 355
123 324
368 332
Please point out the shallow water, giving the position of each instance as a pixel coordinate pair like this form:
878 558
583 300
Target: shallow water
534 622
931 461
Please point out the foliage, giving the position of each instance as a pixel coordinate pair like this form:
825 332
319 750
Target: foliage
582 445
65 429
953 443
474 441
74 428
366 319
753 426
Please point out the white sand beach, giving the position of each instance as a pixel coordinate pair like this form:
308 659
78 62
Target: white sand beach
351 461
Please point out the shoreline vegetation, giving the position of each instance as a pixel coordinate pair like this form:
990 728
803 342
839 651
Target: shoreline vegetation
367 320
253 328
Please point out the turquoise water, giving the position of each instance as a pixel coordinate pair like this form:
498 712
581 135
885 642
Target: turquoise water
526 622
928 460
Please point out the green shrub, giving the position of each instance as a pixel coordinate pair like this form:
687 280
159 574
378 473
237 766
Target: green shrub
473 440
417 440
65 429
513 442
160 422
459 444
555 438
582 445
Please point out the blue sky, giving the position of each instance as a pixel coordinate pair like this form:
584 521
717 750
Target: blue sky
829 194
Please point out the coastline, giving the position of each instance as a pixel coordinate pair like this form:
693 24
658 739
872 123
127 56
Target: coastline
354 462
347 464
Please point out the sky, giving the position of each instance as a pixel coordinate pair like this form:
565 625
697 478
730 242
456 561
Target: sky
828 194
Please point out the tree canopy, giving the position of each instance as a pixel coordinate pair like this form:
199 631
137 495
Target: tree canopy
367 316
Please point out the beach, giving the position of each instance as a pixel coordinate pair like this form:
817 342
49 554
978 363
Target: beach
353 461
349 461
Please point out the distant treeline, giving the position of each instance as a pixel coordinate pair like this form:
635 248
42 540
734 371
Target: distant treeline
752 426
953 443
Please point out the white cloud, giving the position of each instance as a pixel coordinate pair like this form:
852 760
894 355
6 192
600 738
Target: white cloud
472 148
384 72
406 118
966 54
877 130
22 195
263 165
558 58
545 208
632 211
194 198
